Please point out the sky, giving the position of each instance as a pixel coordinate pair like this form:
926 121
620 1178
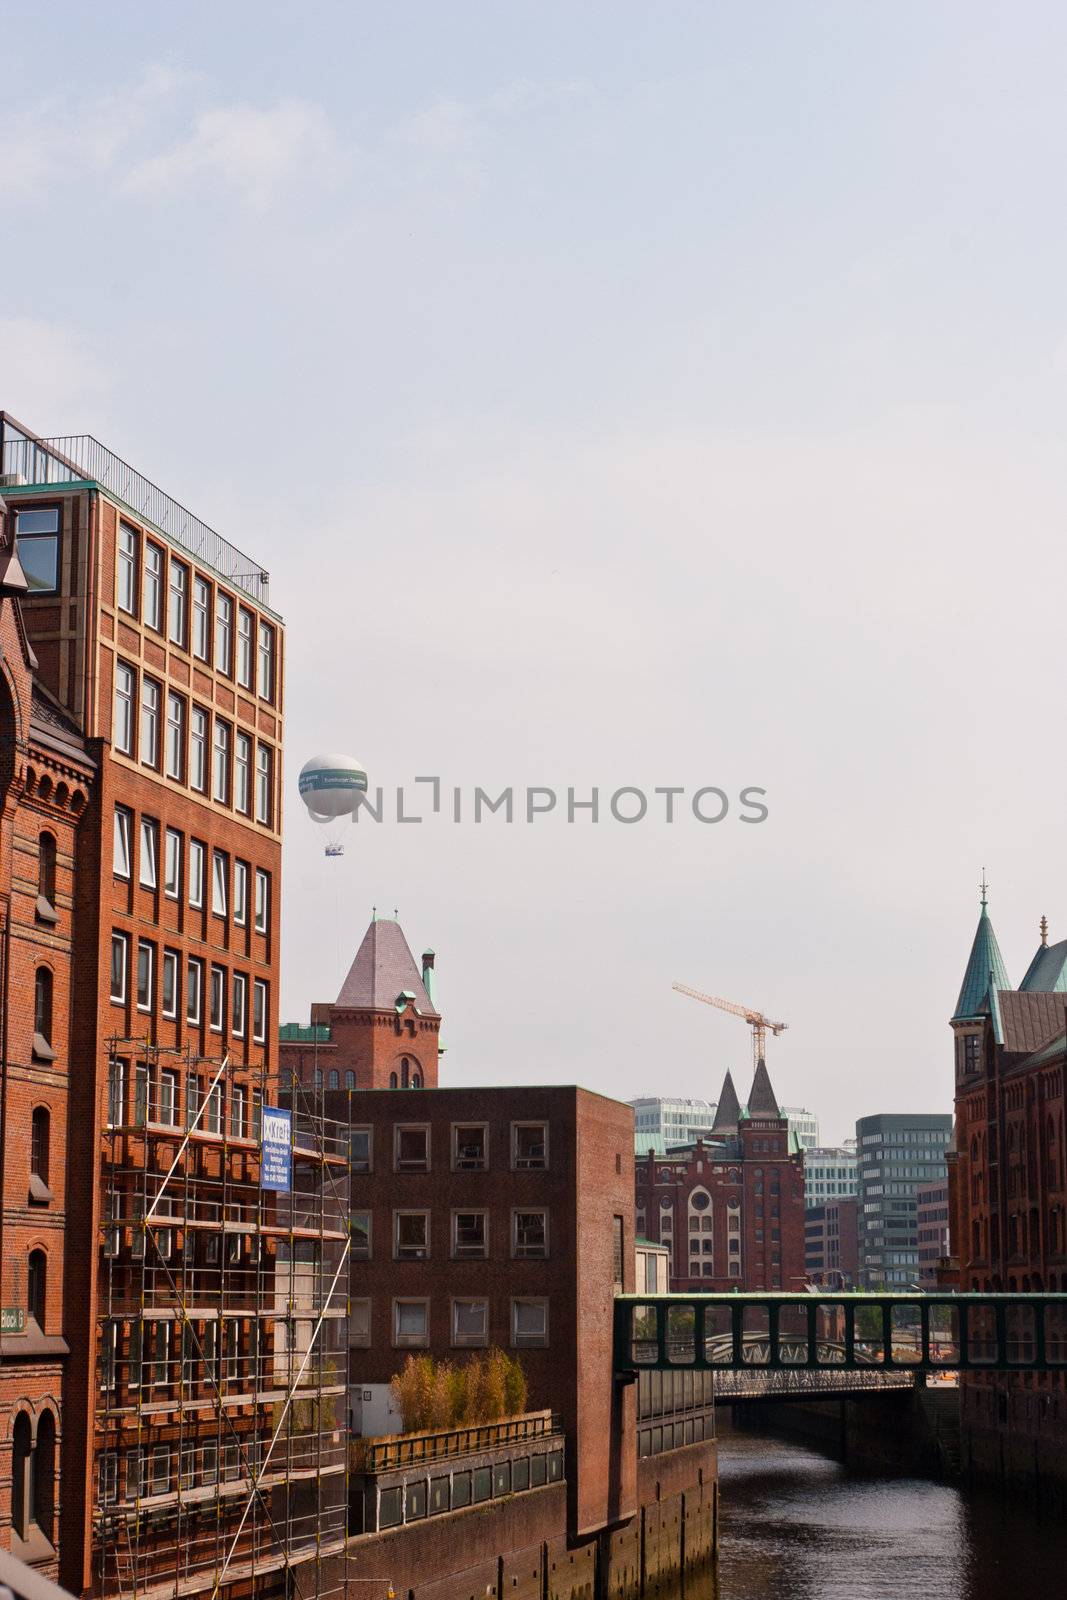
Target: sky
620 396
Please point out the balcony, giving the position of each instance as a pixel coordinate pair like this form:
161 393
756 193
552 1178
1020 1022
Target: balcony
28 461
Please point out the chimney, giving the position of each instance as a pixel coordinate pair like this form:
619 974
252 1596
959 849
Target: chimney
427 975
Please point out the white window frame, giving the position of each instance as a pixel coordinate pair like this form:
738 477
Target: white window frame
265 662
259 1010
171 1078
150 949
120 940
175 736
223 633
240 893
126 575
123 861
194 968
217 980
148 863
152 585
150 703
220 892
262 901
246 648
171 964
238 1006
242 773
125 719
197 868
172 864
264 770
202 612
220 762
199 758
178 603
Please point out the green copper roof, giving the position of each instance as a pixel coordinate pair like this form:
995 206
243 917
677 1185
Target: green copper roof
1047 972
296 1033
985 969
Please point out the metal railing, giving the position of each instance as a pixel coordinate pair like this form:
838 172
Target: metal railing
410 1449
79 458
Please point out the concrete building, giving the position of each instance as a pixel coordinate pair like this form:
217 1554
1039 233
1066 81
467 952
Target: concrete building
831 1243
1008 1191
730 1205
805 1124
142 710
897 1154
931 1216
830 1173
382 1031
660 1122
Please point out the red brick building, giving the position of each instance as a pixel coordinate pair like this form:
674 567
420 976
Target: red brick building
1007 1180
730 1205
382 1031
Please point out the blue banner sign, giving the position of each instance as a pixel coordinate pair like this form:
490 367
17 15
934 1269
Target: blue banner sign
276 1169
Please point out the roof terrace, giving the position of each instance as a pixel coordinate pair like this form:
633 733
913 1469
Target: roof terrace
27 459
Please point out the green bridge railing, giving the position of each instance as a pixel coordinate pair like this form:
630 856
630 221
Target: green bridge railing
914 1332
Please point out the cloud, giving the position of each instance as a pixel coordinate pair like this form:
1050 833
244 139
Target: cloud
247 148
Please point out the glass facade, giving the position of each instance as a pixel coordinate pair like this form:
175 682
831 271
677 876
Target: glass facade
896 1155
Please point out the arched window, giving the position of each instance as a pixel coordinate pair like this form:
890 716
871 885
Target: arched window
405 1067
44 1475
318 1077
350 1080
39 1129
21 1479
392 1080
416 1080
335 1079
42 1004
36 1284
46 873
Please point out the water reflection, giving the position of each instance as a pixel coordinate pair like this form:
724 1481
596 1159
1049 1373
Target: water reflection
798 1526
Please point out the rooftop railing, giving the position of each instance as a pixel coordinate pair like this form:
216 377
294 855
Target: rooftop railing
79 458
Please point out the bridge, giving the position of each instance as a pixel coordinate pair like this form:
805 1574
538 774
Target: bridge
809 1346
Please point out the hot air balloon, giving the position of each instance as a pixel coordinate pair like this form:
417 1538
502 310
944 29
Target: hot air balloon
330 787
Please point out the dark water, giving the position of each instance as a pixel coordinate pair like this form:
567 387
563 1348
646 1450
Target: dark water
797 1526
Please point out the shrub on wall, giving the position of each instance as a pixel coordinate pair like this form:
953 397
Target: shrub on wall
487 1387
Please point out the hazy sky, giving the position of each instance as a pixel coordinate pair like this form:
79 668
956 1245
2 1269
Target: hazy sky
619 395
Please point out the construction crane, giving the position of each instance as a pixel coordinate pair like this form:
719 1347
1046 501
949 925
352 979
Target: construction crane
759 1024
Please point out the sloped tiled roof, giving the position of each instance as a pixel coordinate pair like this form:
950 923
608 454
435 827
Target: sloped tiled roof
1048 970
762 1101
1030 1020
383 969
985 960
728 1109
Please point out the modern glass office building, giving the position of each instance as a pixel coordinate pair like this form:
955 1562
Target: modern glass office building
897 1154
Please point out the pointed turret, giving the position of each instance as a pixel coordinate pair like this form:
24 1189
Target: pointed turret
728 1109
384 975
762 1101
985 969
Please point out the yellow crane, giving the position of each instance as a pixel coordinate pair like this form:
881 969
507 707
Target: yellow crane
759 1024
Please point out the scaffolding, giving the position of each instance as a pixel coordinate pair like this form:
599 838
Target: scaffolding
221 1460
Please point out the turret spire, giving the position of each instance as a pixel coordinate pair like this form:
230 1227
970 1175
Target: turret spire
985 966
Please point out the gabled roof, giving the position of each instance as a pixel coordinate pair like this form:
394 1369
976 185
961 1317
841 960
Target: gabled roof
728 1109
762 1101
1030 1021
985 971
1047 972
384 970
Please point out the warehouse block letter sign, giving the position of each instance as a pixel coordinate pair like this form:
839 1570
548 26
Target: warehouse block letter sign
277 1170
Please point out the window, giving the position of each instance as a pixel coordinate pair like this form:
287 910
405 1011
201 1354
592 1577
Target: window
245 625
175 737
197 853
42 1008
237 1113
529 1233
149 723
360 1150
122 842
411 1322
149 853
168 1098
198 750
213 1123
179 599
220 868
145 963
266 661
470 1322
39 1139
239 986
127 573
116 1093
335 1079
46 876
469 1141
37 536
470 1235
350 1079
529 1146
202 619
36 1286
359 1325
262 901
194 988
153 587
263 783
361 1235
119 967
223 633
172 865
257 1119
218 998
242 773
529 1322
240 893
221 783
411 1148
259 1011
169 1004
411 1235
125 688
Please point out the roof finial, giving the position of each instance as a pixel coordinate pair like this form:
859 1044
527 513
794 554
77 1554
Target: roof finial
374 913
1044 930
985 889
396 914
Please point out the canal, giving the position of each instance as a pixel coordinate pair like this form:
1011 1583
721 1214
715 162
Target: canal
797 1525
